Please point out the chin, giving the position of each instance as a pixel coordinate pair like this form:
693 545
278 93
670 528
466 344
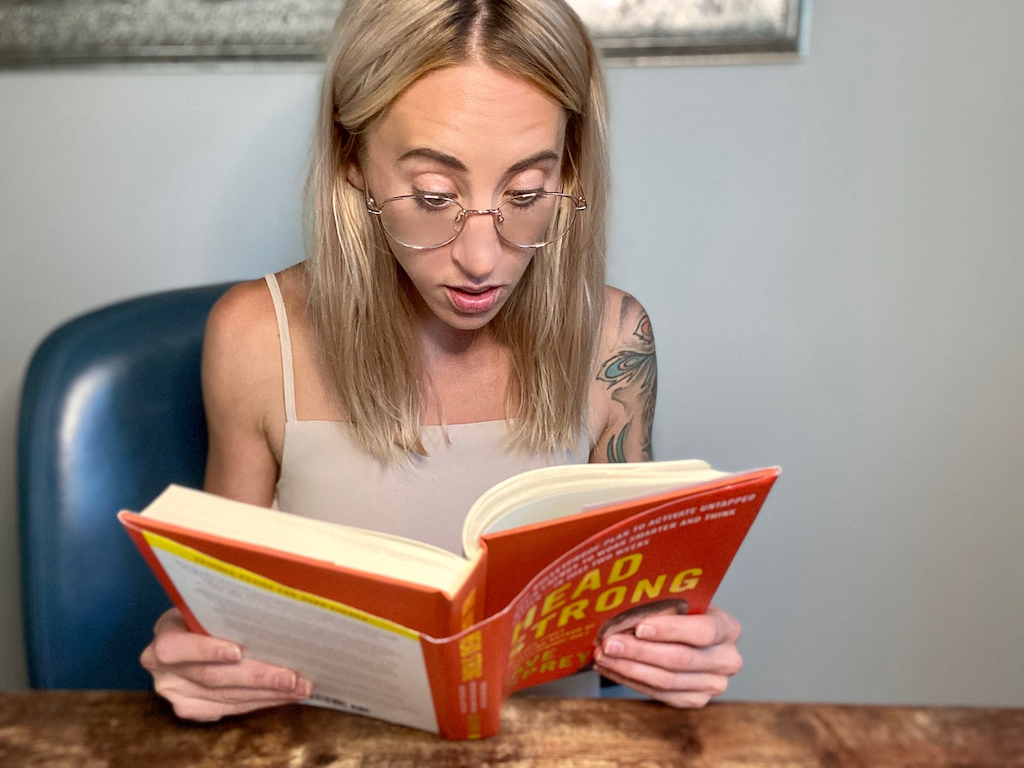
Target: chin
469 322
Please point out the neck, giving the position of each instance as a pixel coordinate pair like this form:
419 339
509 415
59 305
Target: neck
441 340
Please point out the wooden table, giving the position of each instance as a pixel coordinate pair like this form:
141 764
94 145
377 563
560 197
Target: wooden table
111 729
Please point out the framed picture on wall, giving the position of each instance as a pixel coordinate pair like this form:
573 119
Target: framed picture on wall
41 33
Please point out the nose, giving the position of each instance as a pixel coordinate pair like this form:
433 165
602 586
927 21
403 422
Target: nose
478 248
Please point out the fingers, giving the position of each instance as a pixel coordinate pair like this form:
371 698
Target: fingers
199 704
646 661
169 619
206 678
210 691
176 645
716 627
210 663
681 660
173 643
230 686
694 690
717 659
618 650
170 686
247 674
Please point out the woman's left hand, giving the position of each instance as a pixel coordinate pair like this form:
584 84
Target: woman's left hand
680 660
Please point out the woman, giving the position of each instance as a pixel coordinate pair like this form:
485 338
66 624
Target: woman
451 326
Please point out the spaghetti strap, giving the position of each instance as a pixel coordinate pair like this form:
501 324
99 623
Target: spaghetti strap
287 366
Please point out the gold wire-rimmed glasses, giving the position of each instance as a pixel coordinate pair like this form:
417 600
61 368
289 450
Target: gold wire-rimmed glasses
431 220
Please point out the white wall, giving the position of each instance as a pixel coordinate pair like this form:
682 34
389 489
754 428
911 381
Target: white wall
830 252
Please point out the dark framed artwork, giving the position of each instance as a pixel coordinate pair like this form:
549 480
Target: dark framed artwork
43 33
694 31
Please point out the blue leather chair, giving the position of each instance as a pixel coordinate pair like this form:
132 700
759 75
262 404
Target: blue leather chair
111 412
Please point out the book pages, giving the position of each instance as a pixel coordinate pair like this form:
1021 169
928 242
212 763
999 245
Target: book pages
381 673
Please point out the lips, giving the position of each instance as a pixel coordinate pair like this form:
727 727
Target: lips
472 300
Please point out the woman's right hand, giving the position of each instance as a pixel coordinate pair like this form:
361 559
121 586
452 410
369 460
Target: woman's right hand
205 678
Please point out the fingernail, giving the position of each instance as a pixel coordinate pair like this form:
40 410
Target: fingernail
644 631
304 689
286 681
230 653
614 647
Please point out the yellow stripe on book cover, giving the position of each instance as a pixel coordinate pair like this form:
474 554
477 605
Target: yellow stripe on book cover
254 579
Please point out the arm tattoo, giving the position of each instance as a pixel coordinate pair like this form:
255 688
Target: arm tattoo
632 376
615 452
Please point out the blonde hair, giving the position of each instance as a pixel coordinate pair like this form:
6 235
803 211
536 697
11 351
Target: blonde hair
358 303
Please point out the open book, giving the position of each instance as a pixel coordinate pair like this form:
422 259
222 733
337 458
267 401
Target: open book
407 632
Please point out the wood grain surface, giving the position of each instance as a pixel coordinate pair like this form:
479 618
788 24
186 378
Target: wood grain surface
111 729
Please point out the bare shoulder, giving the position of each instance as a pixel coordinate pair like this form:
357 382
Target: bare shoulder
243 392
625 321
625 384
242 331
242 327
242 368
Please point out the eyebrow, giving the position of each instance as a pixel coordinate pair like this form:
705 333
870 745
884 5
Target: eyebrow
454 163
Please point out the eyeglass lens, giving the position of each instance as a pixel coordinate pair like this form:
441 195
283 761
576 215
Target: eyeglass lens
528 221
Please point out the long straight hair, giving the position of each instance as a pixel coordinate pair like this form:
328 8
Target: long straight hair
358 301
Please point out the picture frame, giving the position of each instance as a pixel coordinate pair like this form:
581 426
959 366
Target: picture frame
62 33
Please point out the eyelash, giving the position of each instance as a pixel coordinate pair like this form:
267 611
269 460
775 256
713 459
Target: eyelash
512 193
426 193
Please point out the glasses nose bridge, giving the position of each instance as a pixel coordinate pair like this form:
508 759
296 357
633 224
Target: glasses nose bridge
464 213
478 252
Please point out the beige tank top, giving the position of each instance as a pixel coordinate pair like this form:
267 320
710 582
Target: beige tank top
326 475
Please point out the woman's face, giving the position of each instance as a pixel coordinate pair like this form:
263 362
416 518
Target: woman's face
478 135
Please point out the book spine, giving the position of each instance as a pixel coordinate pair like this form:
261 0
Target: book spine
467 604
467 674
